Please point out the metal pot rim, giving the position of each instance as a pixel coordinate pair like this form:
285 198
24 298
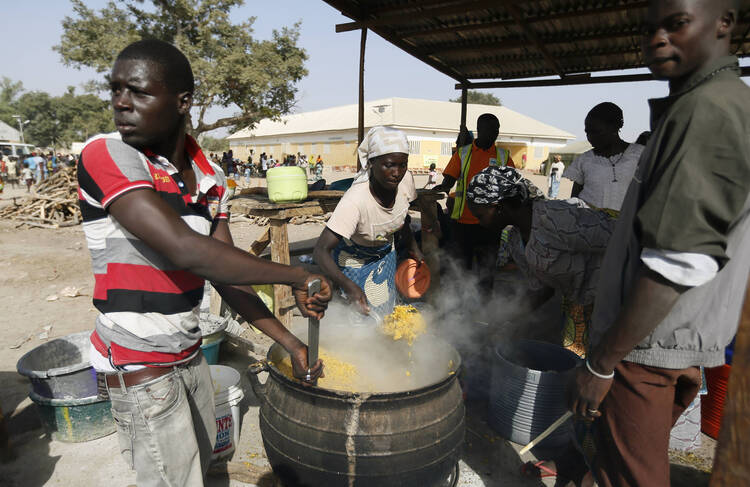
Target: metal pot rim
356 396
499 352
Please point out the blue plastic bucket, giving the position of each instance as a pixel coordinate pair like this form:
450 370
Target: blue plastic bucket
211 350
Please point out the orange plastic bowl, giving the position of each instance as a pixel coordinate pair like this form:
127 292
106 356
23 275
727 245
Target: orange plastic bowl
412 280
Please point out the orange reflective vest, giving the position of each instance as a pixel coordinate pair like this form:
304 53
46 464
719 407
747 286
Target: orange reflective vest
464 152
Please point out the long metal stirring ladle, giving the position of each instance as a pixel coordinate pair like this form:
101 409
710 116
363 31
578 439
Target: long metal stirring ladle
313 328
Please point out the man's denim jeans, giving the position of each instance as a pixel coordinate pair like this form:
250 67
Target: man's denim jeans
167 427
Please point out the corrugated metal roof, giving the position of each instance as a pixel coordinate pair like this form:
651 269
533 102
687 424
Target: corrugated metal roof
439 116
506 39
9 133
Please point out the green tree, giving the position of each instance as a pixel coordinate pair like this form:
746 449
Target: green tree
58 121
479 98
82 115
231 68
212 144
37 107
9 92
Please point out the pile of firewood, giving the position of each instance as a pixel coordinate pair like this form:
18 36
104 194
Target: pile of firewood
53 203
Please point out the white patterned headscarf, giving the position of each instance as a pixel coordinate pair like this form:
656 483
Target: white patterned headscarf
494 184
379 141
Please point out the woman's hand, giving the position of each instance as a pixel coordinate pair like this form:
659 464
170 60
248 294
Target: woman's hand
300 368
356 296
312 306
417 255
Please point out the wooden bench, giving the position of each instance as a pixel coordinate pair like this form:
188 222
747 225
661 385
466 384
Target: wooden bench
276 234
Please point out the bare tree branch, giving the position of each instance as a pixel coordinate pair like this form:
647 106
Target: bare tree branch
237 120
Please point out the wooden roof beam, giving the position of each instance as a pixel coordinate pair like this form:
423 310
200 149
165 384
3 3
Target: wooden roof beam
394 19
457 28
584 79
567 81
520 75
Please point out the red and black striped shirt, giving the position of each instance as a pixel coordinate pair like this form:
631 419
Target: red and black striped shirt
149 307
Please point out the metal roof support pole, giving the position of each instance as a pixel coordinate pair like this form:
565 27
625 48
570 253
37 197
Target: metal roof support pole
361 108
464 101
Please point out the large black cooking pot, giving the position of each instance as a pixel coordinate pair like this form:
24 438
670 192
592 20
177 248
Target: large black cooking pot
317 437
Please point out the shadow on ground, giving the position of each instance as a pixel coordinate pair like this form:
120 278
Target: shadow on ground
31 463
489 456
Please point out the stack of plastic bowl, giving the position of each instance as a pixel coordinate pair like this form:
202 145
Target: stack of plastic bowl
64 389
212 328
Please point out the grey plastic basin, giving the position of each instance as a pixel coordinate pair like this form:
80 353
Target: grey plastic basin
60 368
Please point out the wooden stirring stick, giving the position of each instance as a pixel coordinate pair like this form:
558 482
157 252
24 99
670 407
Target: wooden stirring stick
546 432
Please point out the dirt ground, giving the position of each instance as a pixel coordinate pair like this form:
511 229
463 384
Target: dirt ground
37 264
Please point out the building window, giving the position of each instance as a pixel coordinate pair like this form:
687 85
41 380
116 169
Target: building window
538 152
314 148
415 147
326 148
446 148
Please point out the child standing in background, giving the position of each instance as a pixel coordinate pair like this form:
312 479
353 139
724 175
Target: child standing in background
431 177
27 176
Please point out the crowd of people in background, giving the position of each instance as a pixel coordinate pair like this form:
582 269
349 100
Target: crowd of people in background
32 168
258 165
37 166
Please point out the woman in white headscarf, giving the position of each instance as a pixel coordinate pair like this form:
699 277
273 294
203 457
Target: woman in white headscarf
356 249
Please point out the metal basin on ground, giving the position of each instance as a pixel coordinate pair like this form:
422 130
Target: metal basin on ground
319 437
60 368
527 393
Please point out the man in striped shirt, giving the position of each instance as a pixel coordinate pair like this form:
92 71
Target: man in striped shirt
156 223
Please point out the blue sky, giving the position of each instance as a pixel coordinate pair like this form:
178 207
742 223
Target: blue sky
26 55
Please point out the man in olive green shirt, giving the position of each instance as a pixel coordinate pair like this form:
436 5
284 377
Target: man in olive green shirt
673 278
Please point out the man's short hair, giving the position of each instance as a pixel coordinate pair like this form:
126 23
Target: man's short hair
607 112
488 118
176 69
